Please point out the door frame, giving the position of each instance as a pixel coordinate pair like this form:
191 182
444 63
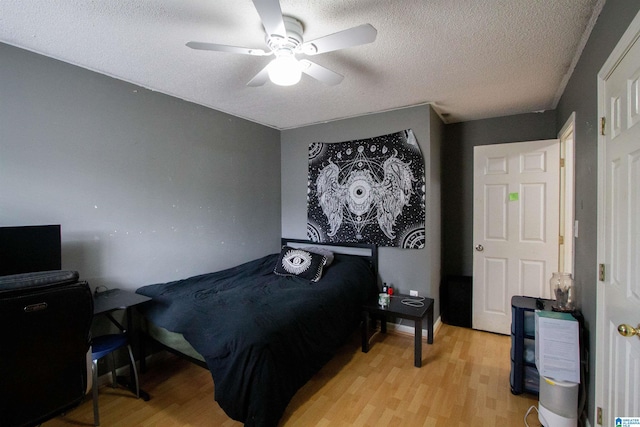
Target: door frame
568 226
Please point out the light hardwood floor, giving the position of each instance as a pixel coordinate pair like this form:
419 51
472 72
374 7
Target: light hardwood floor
464 381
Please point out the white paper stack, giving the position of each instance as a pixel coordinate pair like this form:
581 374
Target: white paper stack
558 346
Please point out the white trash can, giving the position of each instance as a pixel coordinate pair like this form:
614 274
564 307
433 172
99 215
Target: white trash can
558 405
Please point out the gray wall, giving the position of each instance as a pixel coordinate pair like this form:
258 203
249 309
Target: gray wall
146 187
457 179
581 96
405 269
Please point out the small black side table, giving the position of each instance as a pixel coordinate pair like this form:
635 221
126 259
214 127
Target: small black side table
397 309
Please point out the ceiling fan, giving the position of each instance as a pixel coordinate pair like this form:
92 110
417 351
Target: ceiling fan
284 40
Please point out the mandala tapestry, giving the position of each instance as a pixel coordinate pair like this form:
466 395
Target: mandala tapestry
367 190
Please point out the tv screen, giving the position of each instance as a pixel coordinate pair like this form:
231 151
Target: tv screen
28 249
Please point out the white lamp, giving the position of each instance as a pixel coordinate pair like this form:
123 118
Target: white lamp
285 70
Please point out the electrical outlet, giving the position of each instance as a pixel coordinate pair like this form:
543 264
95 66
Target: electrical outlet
413 293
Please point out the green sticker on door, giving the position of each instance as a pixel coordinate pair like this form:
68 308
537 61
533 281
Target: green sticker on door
513 197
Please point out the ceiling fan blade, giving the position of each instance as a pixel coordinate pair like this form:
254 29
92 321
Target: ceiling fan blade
260 78
225 48
271 16
355 36
321 73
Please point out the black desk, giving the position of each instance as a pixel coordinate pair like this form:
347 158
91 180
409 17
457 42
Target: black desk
398 309
116 299
119 299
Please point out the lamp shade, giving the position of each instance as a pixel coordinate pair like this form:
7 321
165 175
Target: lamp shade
285 71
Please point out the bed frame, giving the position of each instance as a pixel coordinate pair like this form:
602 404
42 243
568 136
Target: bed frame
185 351
366 250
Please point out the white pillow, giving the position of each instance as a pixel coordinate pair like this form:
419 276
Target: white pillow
321 251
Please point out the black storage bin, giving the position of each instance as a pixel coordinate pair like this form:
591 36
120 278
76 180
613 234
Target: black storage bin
455 300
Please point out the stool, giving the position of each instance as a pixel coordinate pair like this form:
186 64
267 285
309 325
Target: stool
100 347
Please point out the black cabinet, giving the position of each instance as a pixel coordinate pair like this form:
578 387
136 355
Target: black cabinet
524 374
455 300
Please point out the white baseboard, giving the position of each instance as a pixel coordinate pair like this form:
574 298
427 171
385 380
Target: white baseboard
406 327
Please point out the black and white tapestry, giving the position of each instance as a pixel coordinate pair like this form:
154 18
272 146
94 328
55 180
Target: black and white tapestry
368 190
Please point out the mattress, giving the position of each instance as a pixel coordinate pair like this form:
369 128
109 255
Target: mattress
263 335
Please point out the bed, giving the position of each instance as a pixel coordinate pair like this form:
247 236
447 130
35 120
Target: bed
265 327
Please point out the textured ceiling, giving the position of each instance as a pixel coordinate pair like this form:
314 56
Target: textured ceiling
471 59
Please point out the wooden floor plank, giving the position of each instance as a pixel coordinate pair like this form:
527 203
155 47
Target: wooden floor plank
464 380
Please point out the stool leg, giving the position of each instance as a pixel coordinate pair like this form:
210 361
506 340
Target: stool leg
94 387
134 371
114 375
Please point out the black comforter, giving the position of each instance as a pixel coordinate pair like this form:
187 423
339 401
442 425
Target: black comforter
262 335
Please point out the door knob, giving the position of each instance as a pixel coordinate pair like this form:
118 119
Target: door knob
628 331
479 248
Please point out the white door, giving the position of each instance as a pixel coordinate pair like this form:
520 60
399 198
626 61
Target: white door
618 357
515 227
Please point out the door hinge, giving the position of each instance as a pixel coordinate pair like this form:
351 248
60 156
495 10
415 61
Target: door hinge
603 123
601 272
599 416
561 163
561 240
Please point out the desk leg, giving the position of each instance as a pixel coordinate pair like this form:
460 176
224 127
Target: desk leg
365 332
418 344
430 325
135 383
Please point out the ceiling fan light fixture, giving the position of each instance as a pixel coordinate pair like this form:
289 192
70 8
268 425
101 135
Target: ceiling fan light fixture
284 37
285 70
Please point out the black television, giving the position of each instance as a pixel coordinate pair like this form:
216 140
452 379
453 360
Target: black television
31 248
